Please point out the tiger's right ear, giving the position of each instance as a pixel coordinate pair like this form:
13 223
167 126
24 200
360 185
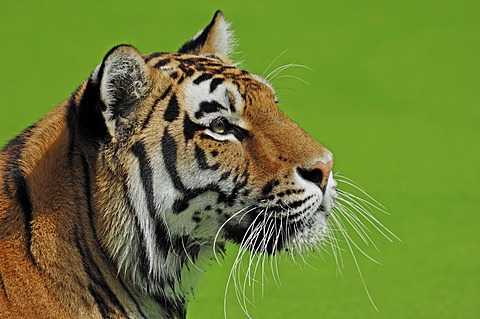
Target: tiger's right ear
122 81
215 39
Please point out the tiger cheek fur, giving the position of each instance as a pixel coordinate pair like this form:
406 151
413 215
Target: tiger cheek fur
113 201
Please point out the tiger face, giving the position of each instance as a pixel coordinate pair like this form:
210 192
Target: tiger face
206 154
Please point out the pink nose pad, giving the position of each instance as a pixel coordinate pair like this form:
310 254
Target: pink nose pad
318 173
326 169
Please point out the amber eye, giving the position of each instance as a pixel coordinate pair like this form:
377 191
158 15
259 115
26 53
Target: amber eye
218 125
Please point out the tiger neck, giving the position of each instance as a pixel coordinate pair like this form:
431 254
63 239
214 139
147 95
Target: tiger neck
156 263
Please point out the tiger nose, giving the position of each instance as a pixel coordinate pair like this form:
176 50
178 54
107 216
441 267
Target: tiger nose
318 173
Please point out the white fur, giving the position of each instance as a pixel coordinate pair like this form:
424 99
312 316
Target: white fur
224 41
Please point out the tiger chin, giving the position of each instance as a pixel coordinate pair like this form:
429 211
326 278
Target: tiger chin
111 203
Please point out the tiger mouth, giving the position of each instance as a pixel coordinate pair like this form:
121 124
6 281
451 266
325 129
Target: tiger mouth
268 229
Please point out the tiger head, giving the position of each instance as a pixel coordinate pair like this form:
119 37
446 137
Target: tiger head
190 151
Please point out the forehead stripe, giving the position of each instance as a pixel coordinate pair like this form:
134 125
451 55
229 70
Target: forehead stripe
202 78
161 63
208 107
215 83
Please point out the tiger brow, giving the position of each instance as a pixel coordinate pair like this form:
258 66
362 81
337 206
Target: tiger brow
208 107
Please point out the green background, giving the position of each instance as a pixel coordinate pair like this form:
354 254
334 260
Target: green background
393 92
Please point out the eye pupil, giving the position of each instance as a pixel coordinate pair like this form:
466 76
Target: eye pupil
218 126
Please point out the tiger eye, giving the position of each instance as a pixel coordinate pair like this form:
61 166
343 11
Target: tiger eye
218 126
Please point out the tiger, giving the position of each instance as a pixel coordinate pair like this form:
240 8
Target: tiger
110 203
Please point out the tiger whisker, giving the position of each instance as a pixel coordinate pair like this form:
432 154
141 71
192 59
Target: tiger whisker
223 225
348 181
273 260
336 251
347 240
361 200
280 69
358 226
293 77
369 217
347 237
271 63
243 248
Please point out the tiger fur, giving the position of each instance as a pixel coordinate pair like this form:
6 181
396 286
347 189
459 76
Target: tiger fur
108 203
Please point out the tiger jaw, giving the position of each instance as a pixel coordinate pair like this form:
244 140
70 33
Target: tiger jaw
297 222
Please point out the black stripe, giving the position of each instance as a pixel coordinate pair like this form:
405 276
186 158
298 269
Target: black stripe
88 196
71 125
3 289
102 307
142 256
202 78
230 199
172 111
23 198
231 103
146 175
90 120
187 69
181 79
298 203
208 107
90 264
189 128
237 232
13 174
14 149
98 287
154 106
169 151
134 300
215 83
239 132
161 63
152 56
182 204
202 161
174 75
269 187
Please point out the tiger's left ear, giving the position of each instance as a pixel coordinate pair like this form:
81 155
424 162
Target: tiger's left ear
122 81
216 39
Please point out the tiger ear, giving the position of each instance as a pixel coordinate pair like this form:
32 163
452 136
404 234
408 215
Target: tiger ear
122 81
216 39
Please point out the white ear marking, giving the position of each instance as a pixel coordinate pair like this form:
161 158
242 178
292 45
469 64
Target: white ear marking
224 40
